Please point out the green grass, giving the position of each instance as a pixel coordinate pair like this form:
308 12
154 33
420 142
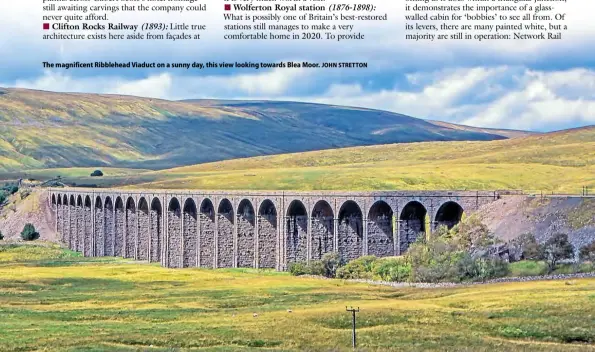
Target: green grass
560 162
81 304
534 268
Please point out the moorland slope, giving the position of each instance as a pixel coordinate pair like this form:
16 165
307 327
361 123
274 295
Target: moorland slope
41 129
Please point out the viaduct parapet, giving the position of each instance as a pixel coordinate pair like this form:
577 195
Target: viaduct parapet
229 229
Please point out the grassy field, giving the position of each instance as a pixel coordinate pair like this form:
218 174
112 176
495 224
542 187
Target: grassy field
55 300
559 162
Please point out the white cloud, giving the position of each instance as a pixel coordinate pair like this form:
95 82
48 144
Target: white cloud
503 97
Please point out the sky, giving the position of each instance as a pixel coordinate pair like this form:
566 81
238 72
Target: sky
530 85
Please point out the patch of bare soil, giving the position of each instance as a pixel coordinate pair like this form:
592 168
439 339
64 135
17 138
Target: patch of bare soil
34 209
513 216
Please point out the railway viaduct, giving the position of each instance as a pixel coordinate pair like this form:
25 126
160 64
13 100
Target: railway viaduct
226 229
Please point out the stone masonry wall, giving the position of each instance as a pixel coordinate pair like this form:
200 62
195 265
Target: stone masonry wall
80 229
225 241
73 232
109 232
60 223
322 236
120 228
410 231
174 250
156 236
190 240
88 232
207 241
143 235
350 237
246 241
267 241
99 233
380 237
130 233
297 239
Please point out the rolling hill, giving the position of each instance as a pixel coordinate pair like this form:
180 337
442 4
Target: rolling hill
560 162
41 130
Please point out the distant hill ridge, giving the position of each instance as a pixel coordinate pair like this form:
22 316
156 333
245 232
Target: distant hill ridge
40 129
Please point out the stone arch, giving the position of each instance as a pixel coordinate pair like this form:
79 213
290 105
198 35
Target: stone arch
413 224
99 228
190 233
60 220
174 234
225 219
120 228
130 232
207 234
449 214
142 233
109 227
322 229
54 202
380 230
80 228
88 228
156 230
267 234
297 232
350 231
72 227
245 239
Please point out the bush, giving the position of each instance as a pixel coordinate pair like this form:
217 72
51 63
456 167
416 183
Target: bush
97 173
331 262
1 236
360 268
10 188
29 233
298 269
393 269
25 194
557 248
2 197
587 253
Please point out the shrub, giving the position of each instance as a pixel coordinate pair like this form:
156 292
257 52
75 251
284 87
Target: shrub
587 253
2 197
29 233
360 268
1 236
331 263
316 267
557 248
393 269
97 173
298 269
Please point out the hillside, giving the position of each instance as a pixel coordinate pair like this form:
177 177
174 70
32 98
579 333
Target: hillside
559 162
41 129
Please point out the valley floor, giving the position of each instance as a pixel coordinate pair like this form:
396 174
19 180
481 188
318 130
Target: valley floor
55 300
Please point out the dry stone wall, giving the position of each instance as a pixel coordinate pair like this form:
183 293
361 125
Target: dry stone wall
369 224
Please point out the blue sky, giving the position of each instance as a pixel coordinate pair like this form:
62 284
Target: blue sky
541 86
